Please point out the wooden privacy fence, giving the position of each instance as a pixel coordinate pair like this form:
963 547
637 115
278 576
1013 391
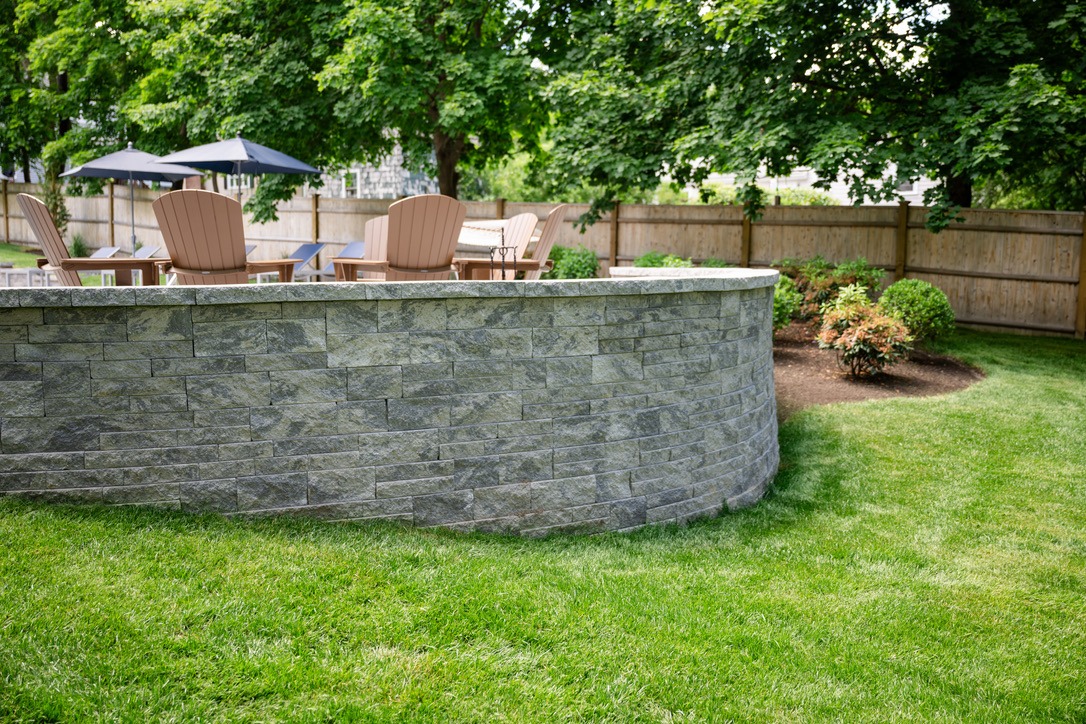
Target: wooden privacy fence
1020 270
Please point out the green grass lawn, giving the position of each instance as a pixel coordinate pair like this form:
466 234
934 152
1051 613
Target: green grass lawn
18 256
919 559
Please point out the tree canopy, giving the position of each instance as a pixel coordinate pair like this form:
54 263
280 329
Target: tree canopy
866 91
987 97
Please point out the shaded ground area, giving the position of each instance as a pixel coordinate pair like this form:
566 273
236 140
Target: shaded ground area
805 375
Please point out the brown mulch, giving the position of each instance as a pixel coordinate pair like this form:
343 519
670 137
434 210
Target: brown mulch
806 375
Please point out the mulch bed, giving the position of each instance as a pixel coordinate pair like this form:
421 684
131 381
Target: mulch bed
806 375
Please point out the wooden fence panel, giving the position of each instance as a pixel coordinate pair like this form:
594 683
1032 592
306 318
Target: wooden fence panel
1008 269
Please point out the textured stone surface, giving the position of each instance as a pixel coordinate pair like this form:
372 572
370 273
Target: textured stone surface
532 408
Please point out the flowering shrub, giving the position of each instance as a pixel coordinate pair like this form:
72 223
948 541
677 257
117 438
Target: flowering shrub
819 281
866 340
923 308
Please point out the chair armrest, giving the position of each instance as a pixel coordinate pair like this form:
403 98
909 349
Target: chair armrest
347 268
285 268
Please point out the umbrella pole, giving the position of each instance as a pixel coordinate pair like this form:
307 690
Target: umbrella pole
237 178
132 210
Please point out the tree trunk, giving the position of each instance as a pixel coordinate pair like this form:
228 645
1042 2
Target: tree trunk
26 167
447 150
960 190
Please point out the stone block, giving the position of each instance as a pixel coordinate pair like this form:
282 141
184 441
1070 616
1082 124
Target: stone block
369 350
580 311
146 350
305 310
398 447
569 371
136 388
263 492
21 399
223 339
565 342
316 445
617 368
413 487
15 316
553 495
13 335
156 474
373 383
159 324
299 386
245 451
75 333
479 472
33 434
418 413
293 336
66 352
193 366
478 409
286 362
141 494
502 500
165 296
209 496
207 310
352 318
341 485
225 391
497 313
121 369
451 507
411 315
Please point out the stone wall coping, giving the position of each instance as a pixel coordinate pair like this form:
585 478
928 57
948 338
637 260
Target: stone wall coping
672 283
633 272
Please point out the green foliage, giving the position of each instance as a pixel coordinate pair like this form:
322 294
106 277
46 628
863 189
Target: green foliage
715 262
53 198
866 340
659 259
993 90
847 296
922 307
787 302
858 271
452 84
569 263
650 259
715 193
78 247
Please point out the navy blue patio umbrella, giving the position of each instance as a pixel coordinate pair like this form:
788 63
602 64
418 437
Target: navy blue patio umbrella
237 156
134 165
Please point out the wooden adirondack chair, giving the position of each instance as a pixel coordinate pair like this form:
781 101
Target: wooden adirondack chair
421 238
518 234
65 267
376 249
205 238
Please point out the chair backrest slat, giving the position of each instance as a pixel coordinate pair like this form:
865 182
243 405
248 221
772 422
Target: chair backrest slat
376 249
45 230
518 234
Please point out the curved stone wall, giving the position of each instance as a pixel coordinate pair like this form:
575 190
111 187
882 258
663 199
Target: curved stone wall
524 407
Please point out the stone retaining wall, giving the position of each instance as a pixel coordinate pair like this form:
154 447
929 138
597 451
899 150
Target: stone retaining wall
500 406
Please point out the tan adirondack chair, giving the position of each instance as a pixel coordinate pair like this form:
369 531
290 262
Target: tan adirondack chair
65 267
375 235
422 235
205 238
518 234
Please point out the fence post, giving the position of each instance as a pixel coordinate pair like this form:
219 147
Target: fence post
499 208
7 224
902 251
614 235
1080 316
744 248
112 231
316 217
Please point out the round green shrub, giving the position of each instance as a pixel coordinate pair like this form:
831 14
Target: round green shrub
715 263
786 302
674 261
579 263
922 307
